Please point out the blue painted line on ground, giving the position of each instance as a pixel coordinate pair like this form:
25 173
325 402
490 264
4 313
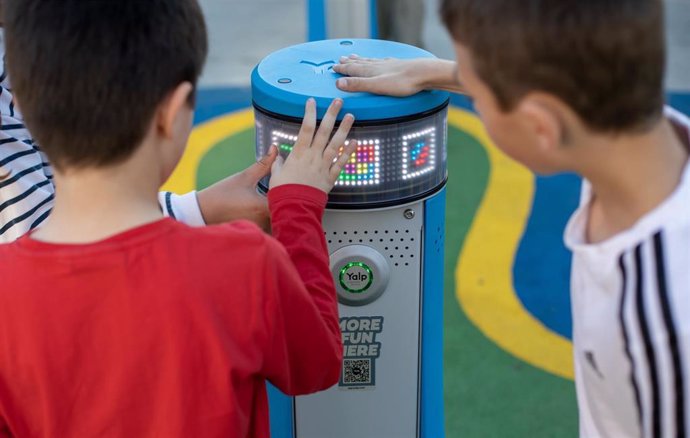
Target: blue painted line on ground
214 102
541 273
461 101
680 101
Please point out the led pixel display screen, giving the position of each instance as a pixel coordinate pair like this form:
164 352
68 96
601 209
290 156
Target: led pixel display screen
363 166
391 162
419 153
361 169
284 141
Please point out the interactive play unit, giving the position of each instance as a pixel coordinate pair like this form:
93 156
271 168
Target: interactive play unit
385 231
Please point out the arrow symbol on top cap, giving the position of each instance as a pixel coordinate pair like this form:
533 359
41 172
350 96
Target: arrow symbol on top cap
321 67
317 65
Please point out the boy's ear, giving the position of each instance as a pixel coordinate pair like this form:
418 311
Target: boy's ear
543 113
168 111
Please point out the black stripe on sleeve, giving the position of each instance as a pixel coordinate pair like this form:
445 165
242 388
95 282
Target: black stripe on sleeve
16 156
24 195
25 216
12 140
626 338
7 140
648 347
40 219
672 334
3 75
168 205
13 127
17 176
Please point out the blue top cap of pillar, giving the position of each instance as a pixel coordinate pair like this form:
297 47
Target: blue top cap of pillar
284 80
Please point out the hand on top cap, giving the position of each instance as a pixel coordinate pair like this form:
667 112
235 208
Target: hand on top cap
389 76
315 161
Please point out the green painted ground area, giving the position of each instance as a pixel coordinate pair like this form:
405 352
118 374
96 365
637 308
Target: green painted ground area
489 393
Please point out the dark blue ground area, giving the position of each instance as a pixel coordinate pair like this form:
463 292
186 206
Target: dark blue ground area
542 265
680 101
213 102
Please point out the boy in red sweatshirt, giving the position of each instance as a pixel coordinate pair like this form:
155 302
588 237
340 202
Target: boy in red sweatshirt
101 333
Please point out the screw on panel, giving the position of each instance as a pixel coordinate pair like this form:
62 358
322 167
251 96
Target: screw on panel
409 214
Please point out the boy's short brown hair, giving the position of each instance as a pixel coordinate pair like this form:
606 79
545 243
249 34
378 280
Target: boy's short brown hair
604 58
89 74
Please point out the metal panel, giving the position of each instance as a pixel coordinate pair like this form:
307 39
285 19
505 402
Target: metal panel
389 408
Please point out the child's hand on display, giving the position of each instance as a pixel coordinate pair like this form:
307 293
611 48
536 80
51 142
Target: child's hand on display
236 197
316 159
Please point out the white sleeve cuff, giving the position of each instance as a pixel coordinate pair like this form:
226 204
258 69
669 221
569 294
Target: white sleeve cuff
184 208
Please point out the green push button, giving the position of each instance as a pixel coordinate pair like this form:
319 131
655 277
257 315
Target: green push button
356 277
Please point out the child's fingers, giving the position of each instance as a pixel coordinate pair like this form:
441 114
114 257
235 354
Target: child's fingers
276 170
357 84
277 165
357 58
345 60
306 132
326 126
331 151
352 69
262 166
352 59
337 166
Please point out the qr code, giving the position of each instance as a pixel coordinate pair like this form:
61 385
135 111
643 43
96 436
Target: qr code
357 372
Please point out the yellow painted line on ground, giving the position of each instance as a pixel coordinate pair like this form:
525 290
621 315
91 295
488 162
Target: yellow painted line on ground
484 273
202 139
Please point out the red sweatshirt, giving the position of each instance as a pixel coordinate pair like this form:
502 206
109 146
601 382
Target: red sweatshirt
166 330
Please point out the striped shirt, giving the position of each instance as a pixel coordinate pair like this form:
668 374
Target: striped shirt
27 191
631 321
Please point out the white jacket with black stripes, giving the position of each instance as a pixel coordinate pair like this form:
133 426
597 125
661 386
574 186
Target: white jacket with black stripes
631 320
